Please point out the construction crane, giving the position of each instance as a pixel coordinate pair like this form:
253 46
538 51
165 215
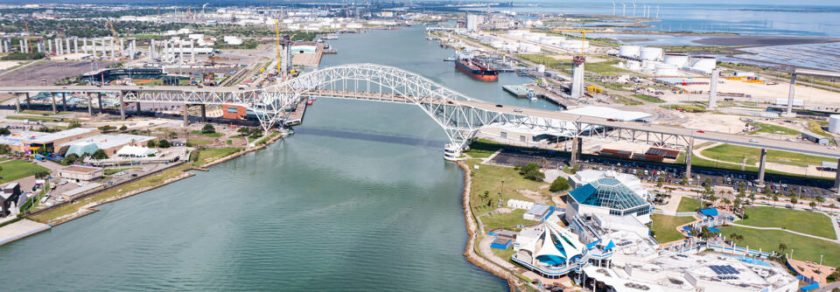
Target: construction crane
277 43
583 37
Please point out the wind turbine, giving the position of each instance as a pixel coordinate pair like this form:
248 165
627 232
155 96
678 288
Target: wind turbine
613 2
634 8
204 6
623 8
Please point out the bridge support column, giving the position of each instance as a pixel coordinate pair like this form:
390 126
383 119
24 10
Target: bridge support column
689 151
54 109
90 104
17 103
837 178
185 109
575 151
203 113
64 101
791 95
28 101
137 108
761 167
122 107
99 96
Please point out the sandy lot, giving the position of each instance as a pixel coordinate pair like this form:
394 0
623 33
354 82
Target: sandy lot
769 93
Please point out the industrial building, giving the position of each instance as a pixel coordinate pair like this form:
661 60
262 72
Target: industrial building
51 142
81 173
109 143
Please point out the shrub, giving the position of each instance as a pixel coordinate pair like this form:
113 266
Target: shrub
151 144
163 143
559 184
99 155
208 129
531 171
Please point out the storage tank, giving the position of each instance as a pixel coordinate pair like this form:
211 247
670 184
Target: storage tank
678 60
649 65
705 64
834 124
629 51
651 54
666 70
634 65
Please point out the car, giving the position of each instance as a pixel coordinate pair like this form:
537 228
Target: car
518 110
499 105
700 132
612 120
754 141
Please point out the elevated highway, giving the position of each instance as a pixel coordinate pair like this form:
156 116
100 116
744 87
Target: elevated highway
461 117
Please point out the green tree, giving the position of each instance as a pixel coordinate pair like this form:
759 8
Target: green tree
5 149
70 159
794 200
531 171
208 129
123 128
42 174
559 184
99 154
163 143
5 132
151 144
74 124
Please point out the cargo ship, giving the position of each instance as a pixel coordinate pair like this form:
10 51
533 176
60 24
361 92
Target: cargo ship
476 69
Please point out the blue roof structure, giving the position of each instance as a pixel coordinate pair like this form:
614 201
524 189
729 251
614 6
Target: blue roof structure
709 212
607 192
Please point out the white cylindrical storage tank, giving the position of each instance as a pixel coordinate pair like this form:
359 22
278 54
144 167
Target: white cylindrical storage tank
629 51
634 65
705 64
648 65
678 60
541 68
834 124
651 54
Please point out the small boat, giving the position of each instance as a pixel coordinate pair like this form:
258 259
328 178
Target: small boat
452 58
310 101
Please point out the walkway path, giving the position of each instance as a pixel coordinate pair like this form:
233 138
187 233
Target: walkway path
788 231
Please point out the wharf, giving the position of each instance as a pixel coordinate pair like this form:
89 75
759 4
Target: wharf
553 97
519 91
296 117
21 229
310 59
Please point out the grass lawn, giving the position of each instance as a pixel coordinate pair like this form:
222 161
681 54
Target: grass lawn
508 221
505 254
688 205
816 128
665 227
211 135
607 68
774 129
797 220
626 101
488 178
483 148
212 154
17 169
804 248
737 154
648 98
545 60
691 108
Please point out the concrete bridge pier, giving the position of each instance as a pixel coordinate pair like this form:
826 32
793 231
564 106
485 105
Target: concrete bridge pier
576 145
688 153
186 113
17 103
28 101
122 107
90 104
203 113
762 167
64 101
54 109
99 97
837 178
137 107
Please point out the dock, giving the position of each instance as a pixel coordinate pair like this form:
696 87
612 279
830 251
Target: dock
296 117
519 91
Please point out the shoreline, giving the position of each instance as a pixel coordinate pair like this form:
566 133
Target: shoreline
471 225
92 208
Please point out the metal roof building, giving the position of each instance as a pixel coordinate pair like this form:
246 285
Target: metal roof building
607 196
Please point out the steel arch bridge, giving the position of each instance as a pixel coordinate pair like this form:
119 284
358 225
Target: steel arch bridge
458 115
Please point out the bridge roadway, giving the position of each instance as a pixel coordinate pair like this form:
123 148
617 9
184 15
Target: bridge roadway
631 130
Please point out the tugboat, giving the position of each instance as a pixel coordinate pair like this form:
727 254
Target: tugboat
476 69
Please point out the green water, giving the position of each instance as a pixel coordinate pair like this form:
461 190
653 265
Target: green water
359 199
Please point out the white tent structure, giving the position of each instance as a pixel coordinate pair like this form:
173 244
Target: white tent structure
135 151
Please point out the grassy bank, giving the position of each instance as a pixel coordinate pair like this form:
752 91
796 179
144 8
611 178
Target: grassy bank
665 227
774 129
490 184
801 221
17 169
750 156
803 248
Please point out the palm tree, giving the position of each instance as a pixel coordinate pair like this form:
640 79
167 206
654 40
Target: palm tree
782 247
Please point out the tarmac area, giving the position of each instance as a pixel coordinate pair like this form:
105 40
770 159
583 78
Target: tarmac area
48 72
671 173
